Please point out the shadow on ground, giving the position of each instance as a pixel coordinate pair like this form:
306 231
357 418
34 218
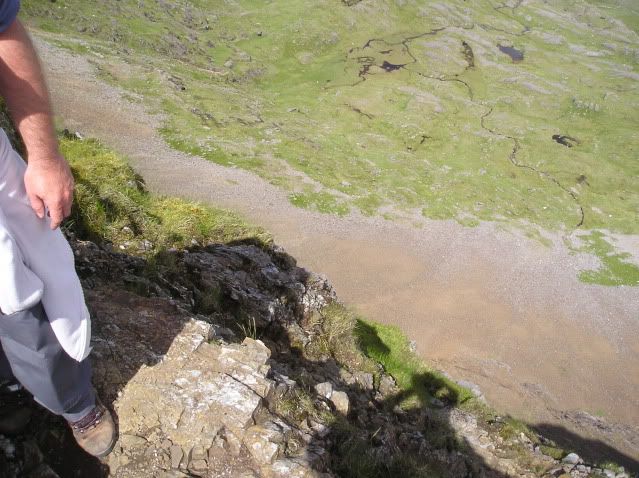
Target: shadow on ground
377 438
591 450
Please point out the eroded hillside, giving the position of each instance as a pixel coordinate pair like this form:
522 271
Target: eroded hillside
521 112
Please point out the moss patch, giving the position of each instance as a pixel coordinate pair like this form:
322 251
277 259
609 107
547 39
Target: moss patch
614 269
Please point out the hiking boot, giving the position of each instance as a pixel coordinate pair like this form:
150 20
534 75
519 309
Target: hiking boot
15 412
95 433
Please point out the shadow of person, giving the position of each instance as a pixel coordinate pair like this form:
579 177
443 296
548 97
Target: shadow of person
377 437
415 431
589 449
374 345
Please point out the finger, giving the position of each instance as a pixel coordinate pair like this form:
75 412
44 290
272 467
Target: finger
37 205
56 216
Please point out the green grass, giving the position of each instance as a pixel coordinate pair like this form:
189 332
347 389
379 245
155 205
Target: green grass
419 383
554 452
358 345
322 202
275 89
614 269
611 466
112 206
333 333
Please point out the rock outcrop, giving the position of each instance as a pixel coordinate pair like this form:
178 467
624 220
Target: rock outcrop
201 356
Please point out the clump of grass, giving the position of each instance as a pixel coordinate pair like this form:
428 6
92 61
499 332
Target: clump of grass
614 270
207 300
297 405
419 384
513 428
553 451
112 206
249 328
612 466
333 333
357 458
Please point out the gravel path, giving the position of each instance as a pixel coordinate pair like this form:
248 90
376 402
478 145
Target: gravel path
486 305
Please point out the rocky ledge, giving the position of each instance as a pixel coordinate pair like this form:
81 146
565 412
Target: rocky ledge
201 355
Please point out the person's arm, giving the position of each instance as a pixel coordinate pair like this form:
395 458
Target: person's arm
48 179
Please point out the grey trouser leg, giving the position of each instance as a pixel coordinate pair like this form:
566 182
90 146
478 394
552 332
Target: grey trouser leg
38 362
5 367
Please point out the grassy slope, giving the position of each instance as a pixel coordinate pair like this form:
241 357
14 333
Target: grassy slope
112 206
269 88
358 345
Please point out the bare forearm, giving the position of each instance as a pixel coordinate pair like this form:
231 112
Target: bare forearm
47 179
23 87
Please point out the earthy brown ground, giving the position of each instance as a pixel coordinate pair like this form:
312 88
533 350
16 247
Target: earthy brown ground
484 304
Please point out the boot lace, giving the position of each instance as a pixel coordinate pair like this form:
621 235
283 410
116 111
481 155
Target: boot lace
92 420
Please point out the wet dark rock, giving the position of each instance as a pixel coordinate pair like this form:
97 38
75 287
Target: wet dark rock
469 56
565 140
515 55
388 67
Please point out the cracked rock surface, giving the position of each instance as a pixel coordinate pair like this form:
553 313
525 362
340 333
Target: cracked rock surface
196 393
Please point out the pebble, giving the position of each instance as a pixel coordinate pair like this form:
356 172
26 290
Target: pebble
341 402
324 389
572 459
129 442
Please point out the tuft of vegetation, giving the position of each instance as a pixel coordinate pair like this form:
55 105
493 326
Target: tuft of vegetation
112 206
552 451
511 428
297 405
609 465
420 385
614 269
333 333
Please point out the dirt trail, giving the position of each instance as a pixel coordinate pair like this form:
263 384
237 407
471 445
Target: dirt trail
485 305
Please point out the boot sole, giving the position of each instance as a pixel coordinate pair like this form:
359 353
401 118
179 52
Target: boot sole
109 449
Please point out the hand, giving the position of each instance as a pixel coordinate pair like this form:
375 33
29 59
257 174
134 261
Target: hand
49 183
